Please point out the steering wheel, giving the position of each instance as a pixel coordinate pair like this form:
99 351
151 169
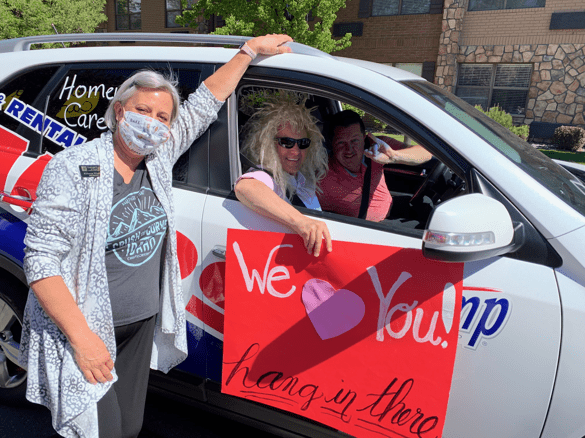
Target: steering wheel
430 181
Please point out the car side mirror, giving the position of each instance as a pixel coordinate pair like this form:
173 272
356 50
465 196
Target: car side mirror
470 227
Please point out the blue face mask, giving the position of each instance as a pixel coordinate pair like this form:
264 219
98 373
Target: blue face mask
142 134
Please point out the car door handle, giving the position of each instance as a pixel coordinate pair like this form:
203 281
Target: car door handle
219 251
24 202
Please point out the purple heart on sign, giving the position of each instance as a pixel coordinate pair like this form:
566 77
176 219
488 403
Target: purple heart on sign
331 312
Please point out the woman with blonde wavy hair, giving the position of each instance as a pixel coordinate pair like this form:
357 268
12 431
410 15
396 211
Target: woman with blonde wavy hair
283 139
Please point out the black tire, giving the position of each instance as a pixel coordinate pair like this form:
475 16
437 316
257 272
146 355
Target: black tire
13 296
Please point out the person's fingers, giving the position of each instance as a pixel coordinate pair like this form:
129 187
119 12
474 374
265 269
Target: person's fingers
311 240
89 376
271 44
94 360
318 243
106 373
305 236
328 240
99 376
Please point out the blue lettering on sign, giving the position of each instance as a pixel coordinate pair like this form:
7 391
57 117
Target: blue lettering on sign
51 129
37 123
483 320
15 107
27 115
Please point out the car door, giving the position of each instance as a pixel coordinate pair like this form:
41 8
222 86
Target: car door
510 321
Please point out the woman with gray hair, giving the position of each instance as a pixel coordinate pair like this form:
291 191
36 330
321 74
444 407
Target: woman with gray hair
104 294
283 139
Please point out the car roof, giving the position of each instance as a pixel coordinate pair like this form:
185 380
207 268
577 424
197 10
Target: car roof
164 52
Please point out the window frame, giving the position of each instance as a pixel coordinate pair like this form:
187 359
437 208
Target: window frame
196 160
400 6
504 8
128 14
492 85
190 4
379 108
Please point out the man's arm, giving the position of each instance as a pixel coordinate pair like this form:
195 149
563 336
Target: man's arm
224 81
413 155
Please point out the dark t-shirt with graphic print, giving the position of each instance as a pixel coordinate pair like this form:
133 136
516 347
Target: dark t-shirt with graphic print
138 227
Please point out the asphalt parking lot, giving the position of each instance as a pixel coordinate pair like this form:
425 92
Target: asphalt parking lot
163 418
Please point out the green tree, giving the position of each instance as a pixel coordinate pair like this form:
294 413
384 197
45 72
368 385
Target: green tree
22 18
260 17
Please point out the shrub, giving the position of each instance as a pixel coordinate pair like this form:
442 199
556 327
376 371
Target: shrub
569 138
503 118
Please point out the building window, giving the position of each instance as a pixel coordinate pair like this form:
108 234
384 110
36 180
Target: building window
490 5
340 29
400 7
128 15
174 8
489 85
567 20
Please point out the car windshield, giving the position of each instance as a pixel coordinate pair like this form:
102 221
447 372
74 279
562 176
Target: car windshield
548 173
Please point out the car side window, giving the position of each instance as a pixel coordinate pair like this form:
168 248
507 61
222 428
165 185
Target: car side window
72 101
407 192
22 100
416 180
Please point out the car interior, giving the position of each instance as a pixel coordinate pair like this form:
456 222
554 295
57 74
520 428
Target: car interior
415 189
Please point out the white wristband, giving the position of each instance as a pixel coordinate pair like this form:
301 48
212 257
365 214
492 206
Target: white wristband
246 48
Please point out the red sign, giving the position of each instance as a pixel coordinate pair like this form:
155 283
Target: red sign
362 339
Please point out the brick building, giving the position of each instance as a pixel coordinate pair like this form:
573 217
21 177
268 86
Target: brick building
527 56
403 33
157 16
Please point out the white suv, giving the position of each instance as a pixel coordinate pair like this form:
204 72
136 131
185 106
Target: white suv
519 363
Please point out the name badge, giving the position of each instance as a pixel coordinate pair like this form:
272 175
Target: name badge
87 171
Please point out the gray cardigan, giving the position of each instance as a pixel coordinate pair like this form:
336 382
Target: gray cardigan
66 236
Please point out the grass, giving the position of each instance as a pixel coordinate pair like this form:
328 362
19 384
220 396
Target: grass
575 157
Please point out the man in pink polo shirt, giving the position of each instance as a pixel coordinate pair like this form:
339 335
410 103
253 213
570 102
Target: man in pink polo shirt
342 187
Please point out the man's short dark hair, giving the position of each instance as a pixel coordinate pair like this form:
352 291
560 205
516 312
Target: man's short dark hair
344 119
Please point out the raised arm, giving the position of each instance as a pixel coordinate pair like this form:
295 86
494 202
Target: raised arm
259 197
413 155
224 81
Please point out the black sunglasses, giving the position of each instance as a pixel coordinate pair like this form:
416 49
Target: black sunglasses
289 143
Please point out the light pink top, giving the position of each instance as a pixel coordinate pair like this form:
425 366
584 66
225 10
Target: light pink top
305 194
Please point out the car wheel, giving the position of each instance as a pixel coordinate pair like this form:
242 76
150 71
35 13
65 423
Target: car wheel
12 376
